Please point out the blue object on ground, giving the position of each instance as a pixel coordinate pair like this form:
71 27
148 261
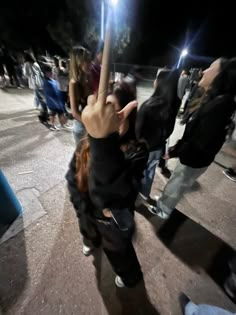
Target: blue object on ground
10 207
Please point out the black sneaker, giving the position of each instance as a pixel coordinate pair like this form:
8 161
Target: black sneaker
231 174
183 300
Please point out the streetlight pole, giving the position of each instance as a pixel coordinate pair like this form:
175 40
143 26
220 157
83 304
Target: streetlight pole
102 19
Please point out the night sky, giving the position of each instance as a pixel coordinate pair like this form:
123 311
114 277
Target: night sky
208 29
160 29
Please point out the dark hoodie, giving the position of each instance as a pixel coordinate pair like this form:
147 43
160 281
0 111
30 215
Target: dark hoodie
114 176
205 133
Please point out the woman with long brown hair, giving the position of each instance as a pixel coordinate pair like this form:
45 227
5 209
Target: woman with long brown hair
79 86
105 210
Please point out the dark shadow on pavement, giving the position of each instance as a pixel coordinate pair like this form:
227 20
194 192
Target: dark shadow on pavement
193 244
13 270
120 301
64 291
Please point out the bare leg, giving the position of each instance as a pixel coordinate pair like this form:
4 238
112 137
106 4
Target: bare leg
52 120
62 119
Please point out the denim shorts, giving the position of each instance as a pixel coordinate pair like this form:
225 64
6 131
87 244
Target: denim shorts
78 130
54 112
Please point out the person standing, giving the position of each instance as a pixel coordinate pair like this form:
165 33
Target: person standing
155 123
103 181
53 100
204 134
63 81
10 65
2 70
33 72
79 87
182 84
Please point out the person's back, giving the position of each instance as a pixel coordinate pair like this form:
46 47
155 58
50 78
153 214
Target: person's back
155 123
156 117
182 84
63 79
52 94
103 194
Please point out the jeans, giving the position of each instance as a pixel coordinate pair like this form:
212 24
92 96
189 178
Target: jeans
181 180
78 131
149 172
193 309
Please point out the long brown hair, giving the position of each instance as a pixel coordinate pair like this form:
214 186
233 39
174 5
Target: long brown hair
78 56
82 165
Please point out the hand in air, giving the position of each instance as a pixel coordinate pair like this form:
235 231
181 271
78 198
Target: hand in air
101 119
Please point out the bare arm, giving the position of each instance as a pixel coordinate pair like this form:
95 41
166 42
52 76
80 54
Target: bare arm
74 100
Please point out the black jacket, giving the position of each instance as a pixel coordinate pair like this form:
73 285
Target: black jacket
205 133
114 177
155 122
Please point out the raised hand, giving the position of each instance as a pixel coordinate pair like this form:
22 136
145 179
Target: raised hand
101 120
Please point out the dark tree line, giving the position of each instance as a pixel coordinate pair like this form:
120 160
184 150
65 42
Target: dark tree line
56 25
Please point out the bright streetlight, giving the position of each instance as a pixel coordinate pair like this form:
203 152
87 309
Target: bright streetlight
184 53
114 2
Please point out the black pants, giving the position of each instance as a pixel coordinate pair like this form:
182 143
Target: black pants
118 248
43 116
162 161
13 79
120 252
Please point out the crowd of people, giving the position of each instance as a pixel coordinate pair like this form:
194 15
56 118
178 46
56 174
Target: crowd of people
116 162
118 147
51 79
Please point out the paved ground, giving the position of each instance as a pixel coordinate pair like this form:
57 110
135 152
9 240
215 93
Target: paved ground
42 269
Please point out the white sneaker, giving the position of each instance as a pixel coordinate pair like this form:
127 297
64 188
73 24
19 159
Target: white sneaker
52 128
67 127
119 282
162 214
143 201
87 250
152 209
57 128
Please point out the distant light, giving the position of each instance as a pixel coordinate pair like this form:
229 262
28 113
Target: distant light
184 53
114 2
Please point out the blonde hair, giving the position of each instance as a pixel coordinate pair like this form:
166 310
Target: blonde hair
78 56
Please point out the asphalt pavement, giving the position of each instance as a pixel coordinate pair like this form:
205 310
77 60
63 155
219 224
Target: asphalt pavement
42 268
